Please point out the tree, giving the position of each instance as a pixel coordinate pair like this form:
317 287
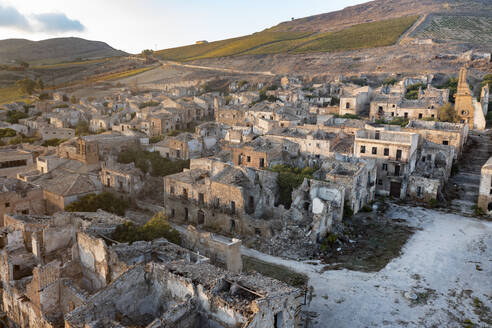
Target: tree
26 85
74 100
82 128
452 85
105 201
447 113
40 84
157 227
290 178
487 80
147 53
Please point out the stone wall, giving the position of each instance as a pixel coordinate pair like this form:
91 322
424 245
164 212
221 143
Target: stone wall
94 261
227 252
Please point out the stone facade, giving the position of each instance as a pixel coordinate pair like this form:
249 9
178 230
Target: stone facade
48 133
122 178
395 154
358 177
81 150
485 191
13 162
60 272
443 133
18 197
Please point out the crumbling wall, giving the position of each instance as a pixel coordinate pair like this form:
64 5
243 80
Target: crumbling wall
44 289
58 238
276 312
421 188
322 202
226 252
94 261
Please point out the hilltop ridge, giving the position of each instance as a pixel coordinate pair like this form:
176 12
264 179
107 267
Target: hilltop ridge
54 50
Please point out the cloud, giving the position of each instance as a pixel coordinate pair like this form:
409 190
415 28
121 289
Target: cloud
58 22
11 17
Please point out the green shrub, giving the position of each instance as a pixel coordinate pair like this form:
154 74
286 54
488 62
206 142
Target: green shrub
155 228
478 211
155 139
105 201
351 116
452 85
413 90
290 178
366 209
14 116
23 139
148 104
447 113
432 203
5 133
82 129
390 81
152 162
347 211
44 96
53 142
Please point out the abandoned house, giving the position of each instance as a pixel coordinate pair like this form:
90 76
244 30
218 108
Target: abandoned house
395 154
357 175
230 116
13 161
442 133
432 170
355 101
264 152
60 272
244 201
19 197
185 146
122 178
80 150
61 188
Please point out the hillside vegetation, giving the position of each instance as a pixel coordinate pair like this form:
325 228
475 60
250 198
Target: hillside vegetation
53 51
470 29
367 35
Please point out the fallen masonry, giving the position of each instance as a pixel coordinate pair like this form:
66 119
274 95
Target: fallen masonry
63 271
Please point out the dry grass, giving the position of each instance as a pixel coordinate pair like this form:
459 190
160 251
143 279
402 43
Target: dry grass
11 94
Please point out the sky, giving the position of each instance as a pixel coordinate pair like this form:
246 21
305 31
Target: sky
134 25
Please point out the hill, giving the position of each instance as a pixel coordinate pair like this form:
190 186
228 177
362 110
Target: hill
54 51
379 10
369 25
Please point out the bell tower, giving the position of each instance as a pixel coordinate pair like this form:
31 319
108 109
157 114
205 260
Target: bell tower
464 101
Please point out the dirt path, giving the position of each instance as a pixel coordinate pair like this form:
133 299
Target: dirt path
218 69
403 38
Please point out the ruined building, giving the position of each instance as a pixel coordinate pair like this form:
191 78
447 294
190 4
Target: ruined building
244 201
60 271
80 150
357 175
442 133
19 197
395 154
432 170
264 152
